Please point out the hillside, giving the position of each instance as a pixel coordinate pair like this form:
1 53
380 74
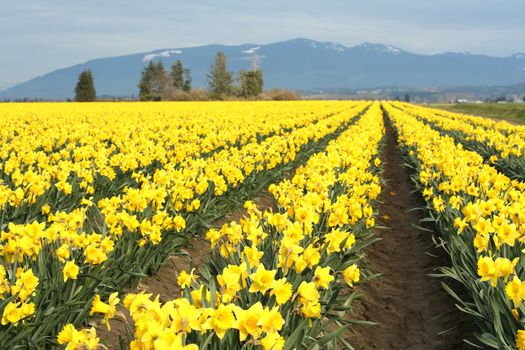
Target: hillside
295 64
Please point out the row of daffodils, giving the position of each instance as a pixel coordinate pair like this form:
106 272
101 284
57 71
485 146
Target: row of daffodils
480 215
278 278
94 197
55 155
500 143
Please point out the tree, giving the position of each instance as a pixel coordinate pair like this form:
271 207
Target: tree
146 82
220 79
160 81
177 75
406 98
85 89
153 85
180 77
523 99
250 82
186 85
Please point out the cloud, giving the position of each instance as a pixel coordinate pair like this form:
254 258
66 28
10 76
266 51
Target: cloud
43 35
166 53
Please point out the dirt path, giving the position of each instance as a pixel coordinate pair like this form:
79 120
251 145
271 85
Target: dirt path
412 309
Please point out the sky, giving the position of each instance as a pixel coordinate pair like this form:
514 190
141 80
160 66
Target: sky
39 36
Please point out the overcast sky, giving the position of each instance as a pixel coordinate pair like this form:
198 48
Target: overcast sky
38 36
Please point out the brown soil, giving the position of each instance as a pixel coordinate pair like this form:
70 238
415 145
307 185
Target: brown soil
411 308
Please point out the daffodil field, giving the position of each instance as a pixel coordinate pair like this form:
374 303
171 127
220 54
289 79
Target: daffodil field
479 213
95 197
500 143
275 276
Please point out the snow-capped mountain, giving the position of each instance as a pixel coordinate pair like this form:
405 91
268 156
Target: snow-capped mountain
294 64
380 49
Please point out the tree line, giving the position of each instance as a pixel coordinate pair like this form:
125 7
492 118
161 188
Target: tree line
157 84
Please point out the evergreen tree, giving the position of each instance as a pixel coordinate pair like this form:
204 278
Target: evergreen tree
146 82
250 82
177 75
186 86
160 81
85 89
220 79
406 98
156 84
180 77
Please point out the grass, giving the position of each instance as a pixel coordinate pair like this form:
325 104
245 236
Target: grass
512 112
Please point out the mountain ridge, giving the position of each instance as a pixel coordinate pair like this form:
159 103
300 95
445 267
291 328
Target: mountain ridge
299 63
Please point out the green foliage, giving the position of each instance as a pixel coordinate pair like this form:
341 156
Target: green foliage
220 79
250 83
85 89
186 86
177 77
146 83
160 80
153 85
180 77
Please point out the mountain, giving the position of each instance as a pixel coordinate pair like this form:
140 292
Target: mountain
294 64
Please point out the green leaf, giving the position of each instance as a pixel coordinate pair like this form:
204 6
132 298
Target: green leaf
328 337
295 338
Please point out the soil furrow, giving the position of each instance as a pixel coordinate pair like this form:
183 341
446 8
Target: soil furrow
411 308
